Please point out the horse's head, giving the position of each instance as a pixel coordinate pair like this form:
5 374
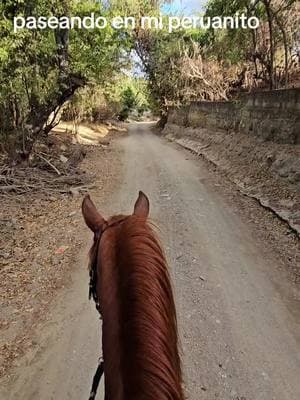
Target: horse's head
97 223
103 287
130 284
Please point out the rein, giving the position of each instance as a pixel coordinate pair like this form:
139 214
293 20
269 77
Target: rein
93 293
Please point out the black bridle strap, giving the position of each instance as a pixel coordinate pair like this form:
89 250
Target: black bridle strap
93 264
96 380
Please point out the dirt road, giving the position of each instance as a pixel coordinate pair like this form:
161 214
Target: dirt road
238 314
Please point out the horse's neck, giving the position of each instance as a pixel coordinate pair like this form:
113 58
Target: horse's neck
139 334
111 343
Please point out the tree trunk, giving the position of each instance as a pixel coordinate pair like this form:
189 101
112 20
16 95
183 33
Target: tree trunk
37 124
250 11
271 58
67 83
285 44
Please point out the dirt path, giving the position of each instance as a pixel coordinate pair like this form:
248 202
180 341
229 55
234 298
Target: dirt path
238 312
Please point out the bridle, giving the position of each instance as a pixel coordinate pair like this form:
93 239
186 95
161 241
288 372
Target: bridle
94 261
93 293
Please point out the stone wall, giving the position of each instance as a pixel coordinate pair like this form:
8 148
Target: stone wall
271 116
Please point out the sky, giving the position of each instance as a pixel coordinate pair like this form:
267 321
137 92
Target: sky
186 7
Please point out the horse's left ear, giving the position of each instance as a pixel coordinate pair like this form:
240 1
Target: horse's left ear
142 205
90 214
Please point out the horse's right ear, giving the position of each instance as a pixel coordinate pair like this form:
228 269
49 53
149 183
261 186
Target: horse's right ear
142 205
90 214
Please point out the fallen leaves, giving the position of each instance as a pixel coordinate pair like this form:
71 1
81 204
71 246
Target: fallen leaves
40 241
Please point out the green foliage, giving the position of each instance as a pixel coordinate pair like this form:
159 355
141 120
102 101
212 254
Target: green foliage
98 54
129 102
114 99
216 64
230 45
41 69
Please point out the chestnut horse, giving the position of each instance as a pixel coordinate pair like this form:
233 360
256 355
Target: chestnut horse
131 284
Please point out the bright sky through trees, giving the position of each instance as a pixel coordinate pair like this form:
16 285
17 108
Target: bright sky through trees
188 7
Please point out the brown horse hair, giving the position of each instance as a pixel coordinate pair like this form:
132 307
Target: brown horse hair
149 361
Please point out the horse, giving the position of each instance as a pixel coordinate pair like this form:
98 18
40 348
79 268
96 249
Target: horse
131 285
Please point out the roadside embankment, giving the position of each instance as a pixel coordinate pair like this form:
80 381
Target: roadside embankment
254 140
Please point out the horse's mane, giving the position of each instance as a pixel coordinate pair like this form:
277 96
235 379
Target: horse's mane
149 360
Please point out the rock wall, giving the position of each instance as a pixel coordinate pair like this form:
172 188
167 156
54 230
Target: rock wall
271 116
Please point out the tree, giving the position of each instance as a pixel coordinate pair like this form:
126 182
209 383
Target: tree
41 69
278 18
129 102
